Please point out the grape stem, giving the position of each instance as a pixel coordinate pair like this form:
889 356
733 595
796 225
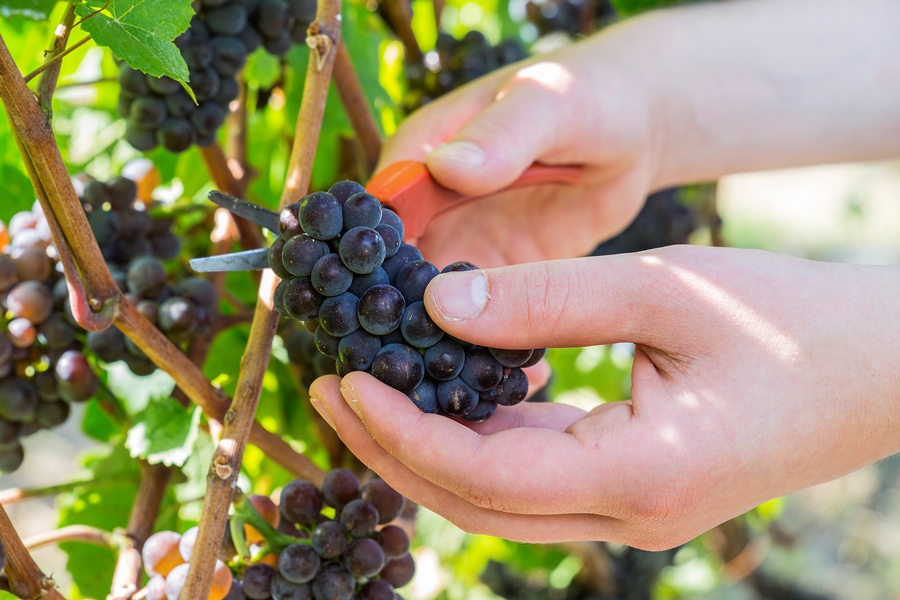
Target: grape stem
358 110
226 462
76 533
47 84
246 514
24 577
14 495
399 13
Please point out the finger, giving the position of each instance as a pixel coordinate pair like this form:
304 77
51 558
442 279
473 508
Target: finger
493 148
563 303
513 470
517 527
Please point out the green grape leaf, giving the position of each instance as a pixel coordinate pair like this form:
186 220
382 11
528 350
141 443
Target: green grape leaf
164 433
140 32
38 10
99 424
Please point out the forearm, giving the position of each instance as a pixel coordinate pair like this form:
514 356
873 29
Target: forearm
759 84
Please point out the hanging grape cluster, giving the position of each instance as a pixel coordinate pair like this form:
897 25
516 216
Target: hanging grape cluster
353 555
348 275
159 112
456 62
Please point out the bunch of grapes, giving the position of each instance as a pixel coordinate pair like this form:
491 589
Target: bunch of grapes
215 47
348 275
356 555
134 246
42 364
456 62
663 221
569 16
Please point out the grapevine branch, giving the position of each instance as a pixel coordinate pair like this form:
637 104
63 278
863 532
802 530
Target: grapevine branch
354 100
50 178
72 533
324 37
25 578
14 495
47 84
399 13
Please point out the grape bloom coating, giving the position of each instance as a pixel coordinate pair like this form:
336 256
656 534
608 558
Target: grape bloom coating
359 289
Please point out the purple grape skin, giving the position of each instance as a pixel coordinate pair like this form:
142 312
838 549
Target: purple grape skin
388 501
340 487
359 517
398 366
394 541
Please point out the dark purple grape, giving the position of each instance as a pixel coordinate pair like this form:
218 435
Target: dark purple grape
166 246
398 366
361 282
330 276
342 190
176 135
387 500
363 558
334 582
180 104
391 238
459 267
417 327
425 396
52 414
362 210
18 400
272 17
276 259
197 56
406 254
399 571
512 389
135 223
77 381
413 278
301 253
163 85
329 539
535 358
199 291
338 314
11 458
257 581
148 112
146 277
133 81
481 372
289 222
229 56
456 398
122 191
377 589
55 333
381 309
302 301
326 343
320 216
359 517
362 249
278 45
511 358
225 20
483 411
141 138
229 90
178 318
444 360
394 541
339 487
208 117
301 501
108 345
298 563
105 225
357 350
392 219
251 38
282 589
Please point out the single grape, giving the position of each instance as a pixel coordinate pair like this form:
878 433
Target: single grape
535 358
456 398
377 589
298 563
361 282
334 582
359 517
156 588
398 366
52 414
133 81
272 17
32 264
178 318
459 266
512 389
197 56
511 358
417 327
399 571
140 137
160 553
146 276
326 343
483 411
394 541
257 581
252 39
8 276
481 372
176 135
208 117
329 275
425 396
21 333
362 210
163 85
339 487
228 92
413 278
362 249
405 254
31 300
180 104
278 45
392 219
105 225
381 309
289 221
199 291
134 223
282 589
301 501
18 400
320 216
148 112
444 360
77 381
338 314
11 458
329 539
276 258
9 434
186 543
363 558
108 345
302 301
357 350
342 190
391 238
229 56
387 500
226 20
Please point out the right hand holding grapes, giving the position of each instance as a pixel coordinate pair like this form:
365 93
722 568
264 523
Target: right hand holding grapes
755 375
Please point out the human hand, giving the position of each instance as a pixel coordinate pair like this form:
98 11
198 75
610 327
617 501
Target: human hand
565 107
755 375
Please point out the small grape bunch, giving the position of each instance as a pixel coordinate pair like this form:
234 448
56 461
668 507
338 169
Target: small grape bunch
347 274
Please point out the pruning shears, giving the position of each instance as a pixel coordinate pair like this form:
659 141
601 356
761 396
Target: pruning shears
406 187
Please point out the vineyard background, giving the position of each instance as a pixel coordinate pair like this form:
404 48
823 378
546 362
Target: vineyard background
840 540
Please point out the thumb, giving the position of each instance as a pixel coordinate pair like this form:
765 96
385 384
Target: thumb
524 123
562 303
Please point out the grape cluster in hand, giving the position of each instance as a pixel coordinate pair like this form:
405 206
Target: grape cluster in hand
347 274
222 34
356 555
570 16
456 62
